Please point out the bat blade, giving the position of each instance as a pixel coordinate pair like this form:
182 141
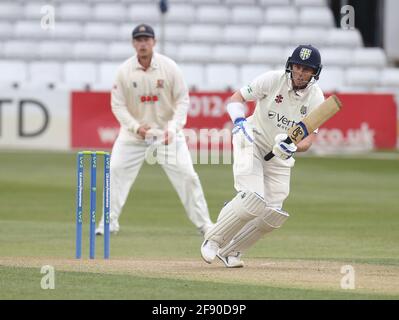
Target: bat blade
325 111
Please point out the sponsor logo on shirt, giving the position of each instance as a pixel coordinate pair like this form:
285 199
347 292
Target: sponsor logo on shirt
149 98
281 120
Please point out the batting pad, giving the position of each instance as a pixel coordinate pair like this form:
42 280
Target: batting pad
254 230
245 206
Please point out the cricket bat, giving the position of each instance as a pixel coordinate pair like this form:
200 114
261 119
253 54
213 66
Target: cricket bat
311 122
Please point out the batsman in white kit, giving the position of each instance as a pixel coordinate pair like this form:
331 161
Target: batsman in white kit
150 100
282 98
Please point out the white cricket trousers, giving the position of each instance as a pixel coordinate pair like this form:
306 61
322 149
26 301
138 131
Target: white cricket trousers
269 179
126 160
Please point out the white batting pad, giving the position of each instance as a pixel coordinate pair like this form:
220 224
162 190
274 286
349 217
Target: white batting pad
254 230
234 215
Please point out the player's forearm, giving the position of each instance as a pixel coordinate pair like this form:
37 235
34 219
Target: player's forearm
125 118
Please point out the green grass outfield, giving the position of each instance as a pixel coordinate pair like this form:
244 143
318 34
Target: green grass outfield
344 211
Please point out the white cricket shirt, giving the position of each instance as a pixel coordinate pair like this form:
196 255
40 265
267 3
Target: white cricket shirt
154 96
278 106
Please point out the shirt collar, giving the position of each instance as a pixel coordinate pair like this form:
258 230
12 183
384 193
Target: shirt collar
154 62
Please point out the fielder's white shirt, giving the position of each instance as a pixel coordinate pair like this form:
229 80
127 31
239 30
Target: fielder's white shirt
156 96
278 106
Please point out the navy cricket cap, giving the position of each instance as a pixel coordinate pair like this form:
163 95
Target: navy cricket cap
143 30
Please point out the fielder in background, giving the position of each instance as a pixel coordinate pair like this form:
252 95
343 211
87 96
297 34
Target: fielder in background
150 100
283 98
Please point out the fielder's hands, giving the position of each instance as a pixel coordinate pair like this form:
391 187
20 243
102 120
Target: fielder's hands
142 130
153 136
282 149
246 129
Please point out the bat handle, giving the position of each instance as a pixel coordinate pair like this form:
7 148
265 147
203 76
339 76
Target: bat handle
270 155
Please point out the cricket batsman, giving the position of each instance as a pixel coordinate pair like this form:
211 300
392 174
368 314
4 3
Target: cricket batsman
282 98
150 100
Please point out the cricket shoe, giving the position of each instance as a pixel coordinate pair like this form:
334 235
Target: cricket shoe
205 228
209 249
113 227
232 261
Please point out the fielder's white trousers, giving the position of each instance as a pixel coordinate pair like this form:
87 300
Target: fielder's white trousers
126 160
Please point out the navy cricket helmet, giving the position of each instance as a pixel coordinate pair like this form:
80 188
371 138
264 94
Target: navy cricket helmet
305 55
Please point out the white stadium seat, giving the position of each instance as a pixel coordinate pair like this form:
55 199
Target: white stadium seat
336 57
10 11
101 31
390 77
125 31
120 50
248 72
316 16
107 75
282 15
354 89
169 50
309 3
193 74
12 71
205 33
45 72
15 49
55 50
181 13
243 2
308 35
30 30
372 57
274 35
362 77
194 53
230 53
6 30
240 34
140 13
331 79
221 76
246 15
89 50
267 54
344 38
74 11
79 74
212 14
67 30
386 90
213 2
267 3
110 12
33 11
175 32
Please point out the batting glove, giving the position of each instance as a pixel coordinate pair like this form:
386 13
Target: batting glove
241 125
282 149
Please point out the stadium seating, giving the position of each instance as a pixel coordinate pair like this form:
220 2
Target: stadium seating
217 43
